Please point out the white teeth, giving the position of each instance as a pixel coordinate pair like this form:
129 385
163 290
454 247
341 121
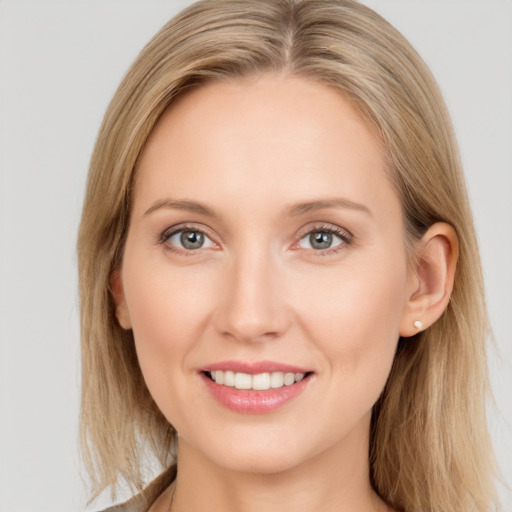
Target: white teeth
261 381
277 380
258 382
289 379
229 378
243 381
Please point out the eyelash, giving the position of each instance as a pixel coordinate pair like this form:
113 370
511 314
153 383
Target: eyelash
168 233
345 237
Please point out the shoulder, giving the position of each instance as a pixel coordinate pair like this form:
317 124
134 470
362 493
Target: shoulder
136 504
143 501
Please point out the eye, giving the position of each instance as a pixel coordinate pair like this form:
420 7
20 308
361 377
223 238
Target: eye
323 239
188 240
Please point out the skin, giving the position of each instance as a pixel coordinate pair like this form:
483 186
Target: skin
251 151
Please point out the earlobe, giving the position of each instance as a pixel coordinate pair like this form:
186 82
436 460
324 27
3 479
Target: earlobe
122 313
432 282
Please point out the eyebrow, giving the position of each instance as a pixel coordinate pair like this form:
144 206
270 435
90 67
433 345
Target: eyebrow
313 206
190 206
292 211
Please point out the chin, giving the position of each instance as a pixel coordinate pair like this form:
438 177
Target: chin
261 463
265 455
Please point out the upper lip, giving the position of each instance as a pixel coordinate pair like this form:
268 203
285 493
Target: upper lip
254 368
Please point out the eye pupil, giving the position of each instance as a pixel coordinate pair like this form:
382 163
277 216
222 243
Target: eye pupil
320 240
192 239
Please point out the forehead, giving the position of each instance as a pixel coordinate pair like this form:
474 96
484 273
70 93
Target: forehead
274 134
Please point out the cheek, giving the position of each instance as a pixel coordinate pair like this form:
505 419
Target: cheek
354 315
168 310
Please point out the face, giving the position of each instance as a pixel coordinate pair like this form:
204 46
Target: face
265 251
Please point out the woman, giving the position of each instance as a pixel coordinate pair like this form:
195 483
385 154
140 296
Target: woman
281 293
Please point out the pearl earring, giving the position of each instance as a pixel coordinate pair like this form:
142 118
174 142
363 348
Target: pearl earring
418 324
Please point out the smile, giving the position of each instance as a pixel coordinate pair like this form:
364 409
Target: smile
255 388
258 382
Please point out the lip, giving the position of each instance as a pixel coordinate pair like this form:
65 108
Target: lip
255 367
252 401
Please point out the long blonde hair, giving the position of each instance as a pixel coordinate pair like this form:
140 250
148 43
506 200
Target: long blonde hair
429 445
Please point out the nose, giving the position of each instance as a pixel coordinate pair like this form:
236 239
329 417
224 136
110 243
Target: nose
252 305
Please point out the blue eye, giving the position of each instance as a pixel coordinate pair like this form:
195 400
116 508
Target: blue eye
322 240
189 240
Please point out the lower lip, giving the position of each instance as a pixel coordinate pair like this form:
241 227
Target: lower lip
254 402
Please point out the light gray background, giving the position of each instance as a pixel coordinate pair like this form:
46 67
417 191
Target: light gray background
60 62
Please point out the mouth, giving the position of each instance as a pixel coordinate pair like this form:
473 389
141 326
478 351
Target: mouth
256 382
255 388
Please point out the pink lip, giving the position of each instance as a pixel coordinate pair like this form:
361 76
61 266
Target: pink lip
252 401
254 368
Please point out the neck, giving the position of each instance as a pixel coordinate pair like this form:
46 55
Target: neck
337 480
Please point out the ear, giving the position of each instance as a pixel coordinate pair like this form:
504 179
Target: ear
122 312
431 281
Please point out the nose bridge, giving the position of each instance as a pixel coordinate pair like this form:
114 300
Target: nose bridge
253 307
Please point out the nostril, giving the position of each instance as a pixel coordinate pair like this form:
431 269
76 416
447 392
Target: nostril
251 313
